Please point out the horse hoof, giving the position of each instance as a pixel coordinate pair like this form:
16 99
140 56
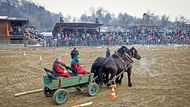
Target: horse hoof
101 85
130 85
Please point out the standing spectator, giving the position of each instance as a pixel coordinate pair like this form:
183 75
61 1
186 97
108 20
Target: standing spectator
74 53
55 42
108 52
67 41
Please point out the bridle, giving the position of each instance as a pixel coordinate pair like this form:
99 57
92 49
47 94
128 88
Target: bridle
133 55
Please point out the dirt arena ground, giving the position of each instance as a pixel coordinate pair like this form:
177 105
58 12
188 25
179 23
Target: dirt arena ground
160 79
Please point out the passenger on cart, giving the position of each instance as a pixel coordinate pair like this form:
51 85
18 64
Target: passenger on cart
60 68
76 65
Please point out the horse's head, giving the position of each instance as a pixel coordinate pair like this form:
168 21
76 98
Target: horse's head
134 53
122 50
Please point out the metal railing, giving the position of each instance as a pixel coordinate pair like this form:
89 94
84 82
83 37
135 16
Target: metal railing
5 44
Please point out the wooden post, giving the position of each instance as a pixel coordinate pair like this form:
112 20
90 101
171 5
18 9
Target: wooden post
84 104
28 92
7 29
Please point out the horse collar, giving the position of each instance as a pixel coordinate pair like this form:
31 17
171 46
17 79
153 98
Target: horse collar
129 58
119 56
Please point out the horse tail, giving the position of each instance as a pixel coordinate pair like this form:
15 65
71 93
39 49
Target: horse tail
93 68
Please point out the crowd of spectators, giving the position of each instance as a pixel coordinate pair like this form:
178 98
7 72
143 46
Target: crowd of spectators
134 36
15 29
158 36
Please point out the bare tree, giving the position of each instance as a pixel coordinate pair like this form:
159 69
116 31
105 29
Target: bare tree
181 21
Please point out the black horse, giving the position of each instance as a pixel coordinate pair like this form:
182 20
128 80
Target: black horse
98 69
119 61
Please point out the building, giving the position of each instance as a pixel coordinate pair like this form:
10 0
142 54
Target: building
86 28
11 27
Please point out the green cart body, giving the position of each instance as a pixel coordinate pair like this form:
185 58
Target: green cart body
56 87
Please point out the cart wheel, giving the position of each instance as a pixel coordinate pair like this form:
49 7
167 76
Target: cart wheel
48 92
92 89
60 96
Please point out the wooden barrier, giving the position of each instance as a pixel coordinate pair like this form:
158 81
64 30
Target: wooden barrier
28 92
84 104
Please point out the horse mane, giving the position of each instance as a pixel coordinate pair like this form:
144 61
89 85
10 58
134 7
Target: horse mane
122 50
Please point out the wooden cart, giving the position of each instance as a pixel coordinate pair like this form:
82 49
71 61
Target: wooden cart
56 86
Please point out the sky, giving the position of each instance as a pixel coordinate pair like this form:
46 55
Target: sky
136 8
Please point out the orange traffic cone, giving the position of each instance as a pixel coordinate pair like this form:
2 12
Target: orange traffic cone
66 53
112 94
40 59
24 53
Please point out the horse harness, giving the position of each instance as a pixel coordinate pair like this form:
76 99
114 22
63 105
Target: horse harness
126 56
129 58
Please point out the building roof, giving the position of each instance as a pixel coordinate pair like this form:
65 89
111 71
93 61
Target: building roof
7 18
188 25
77 25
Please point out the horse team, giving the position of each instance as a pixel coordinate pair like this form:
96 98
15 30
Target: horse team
109 71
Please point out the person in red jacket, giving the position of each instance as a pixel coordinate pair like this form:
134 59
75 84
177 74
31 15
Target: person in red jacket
60 68
75 64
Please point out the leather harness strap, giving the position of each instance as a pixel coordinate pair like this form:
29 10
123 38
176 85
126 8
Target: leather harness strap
125 55
129 58
119 56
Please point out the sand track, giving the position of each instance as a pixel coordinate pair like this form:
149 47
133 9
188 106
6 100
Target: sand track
160 78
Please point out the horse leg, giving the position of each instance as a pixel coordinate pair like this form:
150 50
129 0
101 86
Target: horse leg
100 76
119 80
106 77
94 70
96 76
129 76
113 74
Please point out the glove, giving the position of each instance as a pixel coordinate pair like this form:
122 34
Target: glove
65 71
70 71
67 67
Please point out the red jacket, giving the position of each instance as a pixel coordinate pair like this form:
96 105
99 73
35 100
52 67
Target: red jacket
80 69
57 67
